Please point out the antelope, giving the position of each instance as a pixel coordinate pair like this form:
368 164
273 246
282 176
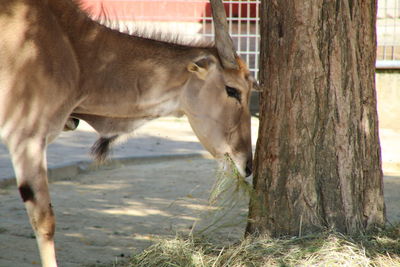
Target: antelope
59 66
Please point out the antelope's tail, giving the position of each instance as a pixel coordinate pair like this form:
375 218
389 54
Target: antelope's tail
101 148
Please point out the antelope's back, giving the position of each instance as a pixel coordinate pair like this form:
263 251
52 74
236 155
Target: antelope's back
37 63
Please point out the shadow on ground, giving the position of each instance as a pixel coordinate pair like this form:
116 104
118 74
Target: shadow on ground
108 214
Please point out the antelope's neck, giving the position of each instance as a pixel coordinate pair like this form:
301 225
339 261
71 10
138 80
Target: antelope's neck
122 75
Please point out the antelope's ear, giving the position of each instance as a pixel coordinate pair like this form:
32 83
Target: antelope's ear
200 67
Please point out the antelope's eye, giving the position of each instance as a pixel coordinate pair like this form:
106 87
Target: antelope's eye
233 92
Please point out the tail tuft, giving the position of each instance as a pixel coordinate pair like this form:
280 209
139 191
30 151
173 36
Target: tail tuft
101 148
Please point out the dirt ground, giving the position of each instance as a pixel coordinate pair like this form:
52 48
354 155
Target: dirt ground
106 215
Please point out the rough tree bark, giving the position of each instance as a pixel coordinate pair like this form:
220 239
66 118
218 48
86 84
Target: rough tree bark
317 160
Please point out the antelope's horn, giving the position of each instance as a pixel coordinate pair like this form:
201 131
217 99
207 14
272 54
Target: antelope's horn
223 42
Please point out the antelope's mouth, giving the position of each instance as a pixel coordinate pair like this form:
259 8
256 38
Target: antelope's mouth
230 165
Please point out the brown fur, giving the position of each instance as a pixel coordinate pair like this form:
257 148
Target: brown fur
57 65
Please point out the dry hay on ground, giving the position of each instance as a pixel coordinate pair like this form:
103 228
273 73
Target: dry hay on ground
381 248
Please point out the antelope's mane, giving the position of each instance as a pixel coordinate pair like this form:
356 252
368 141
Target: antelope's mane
142 30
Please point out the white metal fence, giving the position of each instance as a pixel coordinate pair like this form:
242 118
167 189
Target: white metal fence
244 24
388 34
192 18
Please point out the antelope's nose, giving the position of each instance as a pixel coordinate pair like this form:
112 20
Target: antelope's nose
249 167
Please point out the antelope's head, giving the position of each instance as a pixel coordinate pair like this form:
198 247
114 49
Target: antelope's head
216 98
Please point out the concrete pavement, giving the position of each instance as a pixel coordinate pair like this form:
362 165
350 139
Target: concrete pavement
70 152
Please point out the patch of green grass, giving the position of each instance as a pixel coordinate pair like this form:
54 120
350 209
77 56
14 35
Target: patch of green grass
381 248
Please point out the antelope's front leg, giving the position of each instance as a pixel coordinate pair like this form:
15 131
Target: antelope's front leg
29 160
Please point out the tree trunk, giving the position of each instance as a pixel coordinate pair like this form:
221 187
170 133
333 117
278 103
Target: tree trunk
318 161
